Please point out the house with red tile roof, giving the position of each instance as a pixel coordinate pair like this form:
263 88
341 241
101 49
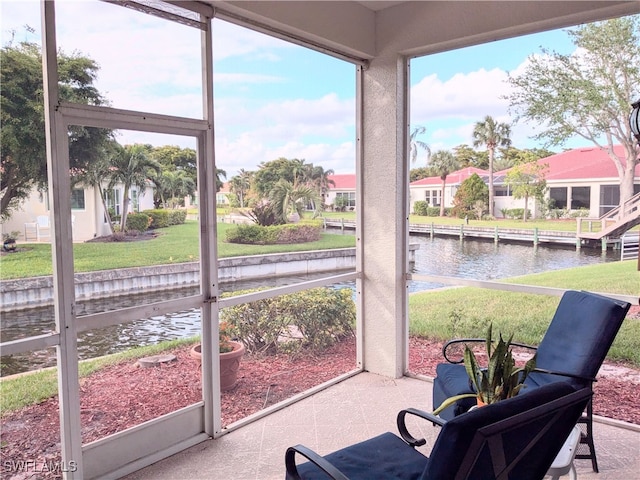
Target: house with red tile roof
582 178
344 186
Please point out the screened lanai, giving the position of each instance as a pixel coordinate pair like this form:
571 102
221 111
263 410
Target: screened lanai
379 38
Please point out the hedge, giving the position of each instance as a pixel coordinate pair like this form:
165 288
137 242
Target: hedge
313 319
161 218
275 234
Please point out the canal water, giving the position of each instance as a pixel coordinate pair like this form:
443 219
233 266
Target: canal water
473 259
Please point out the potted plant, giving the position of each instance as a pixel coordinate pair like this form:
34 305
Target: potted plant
230 356
9 241
501 379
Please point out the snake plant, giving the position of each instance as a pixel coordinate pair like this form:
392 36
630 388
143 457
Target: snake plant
501 379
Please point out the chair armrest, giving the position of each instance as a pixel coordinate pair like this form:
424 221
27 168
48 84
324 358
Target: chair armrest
448 353
313 457
402 427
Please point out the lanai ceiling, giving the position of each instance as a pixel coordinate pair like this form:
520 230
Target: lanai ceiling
366 29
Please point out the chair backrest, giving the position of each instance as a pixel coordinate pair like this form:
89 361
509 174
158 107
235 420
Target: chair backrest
515 439
579 336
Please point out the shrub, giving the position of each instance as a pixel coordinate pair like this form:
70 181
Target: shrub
252 235
420 207
517 213
159 218
322 315
288 234
263 214
472 190
138 222
313 319
581 212
258 325
177 217
308 231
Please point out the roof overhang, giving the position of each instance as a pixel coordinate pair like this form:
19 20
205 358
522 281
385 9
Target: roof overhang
362 30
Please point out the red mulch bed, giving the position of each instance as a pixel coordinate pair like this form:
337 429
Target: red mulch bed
121 396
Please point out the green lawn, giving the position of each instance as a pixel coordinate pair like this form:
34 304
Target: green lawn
558 225
176 244
466 312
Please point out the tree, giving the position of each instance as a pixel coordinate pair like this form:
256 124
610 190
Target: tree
468 157
240 185
491 134
419 173
442 164
270 173
131 166
287 199
415 144
173 185
318 178
23 157
511 156
587 94
95 174
472 190
527 181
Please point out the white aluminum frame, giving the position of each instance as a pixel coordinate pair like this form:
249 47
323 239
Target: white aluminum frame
146 443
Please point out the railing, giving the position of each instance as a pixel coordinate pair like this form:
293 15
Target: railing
629 245
616 220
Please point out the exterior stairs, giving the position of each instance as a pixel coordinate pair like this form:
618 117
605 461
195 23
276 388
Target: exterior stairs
612 224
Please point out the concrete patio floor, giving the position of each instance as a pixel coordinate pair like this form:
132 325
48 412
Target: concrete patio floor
358 408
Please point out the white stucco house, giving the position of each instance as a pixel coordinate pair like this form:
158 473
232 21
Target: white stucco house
343 186
582 178
87 213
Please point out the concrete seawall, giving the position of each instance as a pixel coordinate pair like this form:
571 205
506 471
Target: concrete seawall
35 292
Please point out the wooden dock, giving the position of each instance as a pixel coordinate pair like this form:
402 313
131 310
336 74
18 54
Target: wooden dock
534 236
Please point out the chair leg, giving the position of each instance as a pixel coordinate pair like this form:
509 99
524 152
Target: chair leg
587 437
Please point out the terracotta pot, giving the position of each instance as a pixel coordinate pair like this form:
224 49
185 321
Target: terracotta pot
229 363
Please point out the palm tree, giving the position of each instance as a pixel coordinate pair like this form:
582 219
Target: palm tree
131 167
443 163
287 199
415 145
95 174
492 135
240 184
175 185
318 179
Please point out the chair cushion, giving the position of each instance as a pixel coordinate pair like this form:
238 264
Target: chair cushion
383 457
451 380
455 439
580 334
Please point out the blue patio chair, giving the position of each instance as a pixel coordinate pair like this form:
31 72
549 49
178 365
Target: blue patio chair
572 351
515 439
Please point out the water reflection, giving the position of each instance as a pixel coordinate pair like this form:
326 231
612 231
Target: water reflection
438 256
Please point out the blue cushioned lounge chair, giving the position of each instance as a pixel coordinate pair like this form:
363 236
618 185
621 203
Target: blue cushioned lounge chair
572 351
515 439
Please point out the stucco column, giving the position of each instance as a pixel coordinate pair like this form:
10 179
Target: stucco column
384 177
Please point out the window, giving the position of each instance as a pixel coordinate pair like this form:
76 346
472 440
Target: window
349 198
558 196
432 197
609 198
580 197
77 199
135 200
504 191
112 199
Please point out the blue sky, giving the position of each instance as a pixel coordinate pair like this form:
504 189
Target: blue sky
272 98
